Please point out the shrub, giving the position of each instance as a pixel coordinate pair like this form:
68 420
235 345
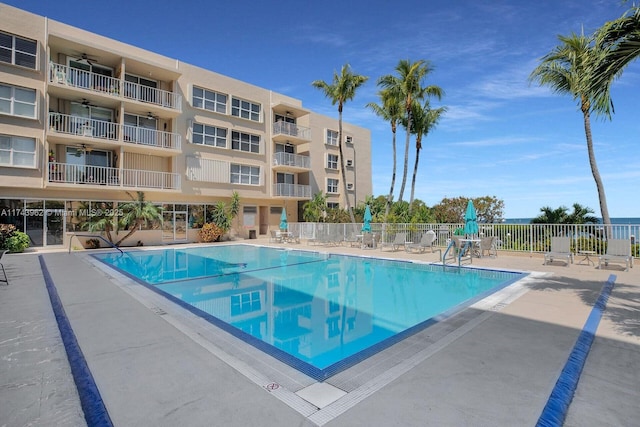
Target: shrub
93 244
18 242
210 232
6 231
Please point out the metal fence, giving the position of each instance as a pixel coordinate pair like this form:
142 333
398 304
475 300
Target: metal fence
533 238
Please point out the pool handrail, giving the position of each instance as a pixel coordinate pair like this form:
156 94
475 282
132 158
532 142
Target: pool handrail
94 236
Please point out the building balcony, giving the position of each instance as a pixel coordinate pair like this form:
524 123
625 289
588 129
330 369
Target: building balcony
292 190
288 161
290 132
65 76
105 131
67 173
151 137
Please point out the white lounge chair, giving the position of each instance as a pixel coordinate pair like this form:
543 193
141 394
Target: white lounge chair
560 248
398 242
618 250
427 241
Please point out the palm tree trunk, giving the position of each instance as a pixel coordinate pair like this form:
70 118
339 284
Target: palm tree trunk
393 173
594 170
343 169
406 158
133 229
415 173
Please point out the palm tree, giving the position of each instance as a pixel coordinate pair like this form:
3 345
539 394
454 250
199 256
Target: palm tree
315 209
424 119
136 213
342 89
568 69
390 110
581 215
407 87
551 216
619 42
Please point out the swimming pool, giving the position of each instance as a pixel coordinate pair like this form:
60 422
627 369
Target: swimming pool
319 313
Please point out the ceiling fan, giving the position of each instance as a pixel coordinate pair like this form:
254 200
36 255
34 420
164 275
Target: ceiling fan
86 58
82 148
151 116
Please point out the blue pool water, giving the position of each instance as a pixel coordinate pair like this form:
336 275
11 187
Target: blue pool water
319 313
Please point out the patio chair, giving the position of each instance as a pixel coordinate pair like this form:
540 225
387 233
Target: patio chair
560 248
488 245
398 242
618 250
4 273
275 237
368 241
427 241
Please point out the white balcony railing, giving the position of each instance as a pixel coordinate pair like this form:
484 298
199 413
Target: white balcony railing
82 79
292 190
288 159
150 179
152 95
291 129
82 126
152 137
102 129
74 77
67 173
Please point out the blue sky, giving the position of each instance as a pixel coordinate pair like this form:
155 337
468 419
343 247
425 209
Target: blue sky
501 136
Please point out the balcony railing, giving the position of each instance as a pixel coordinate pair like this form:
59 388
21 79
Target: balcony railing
82 126
67 173
74 77
291 129
152 137
82 79
152 95
102 129
292 190
288 159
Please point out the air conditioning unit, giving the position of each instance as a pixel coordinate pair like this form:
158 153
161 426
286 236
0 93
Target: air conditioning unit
349 186
349 162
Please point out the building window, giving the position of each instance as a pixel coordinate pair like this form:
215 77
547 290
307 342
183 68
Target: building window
332 137
332 185
17 101
209 135
18 51
245 142
245 303
209 100
332 161
245 109
333 205
243 174
17 151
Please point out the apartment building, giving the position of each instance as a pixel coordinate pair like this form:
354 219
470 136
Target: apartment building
87 121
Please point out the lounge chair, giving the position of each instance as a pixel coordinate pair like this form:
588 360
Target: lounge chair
398 242
427 241
618 250
488 245
560 248
6 279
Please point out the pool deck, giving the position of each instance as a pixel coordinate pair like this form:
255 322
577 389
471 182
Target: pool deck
494 364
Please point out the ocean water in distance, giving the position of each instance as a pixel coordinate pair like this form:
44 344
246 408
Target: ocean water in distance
634 221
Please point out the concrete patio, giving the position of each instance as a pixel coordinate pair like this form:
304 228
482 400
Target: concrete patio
495 363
